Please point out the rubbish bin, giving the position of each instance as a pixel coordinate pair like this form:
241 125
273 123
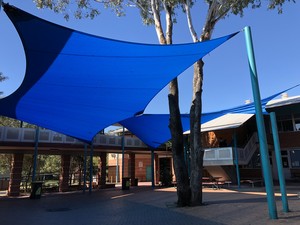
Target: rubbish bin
36 189
125 183
136 181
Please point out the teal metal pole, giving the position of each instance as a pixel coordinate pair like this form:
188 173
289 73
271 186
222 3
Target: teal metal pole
123 153
37 133
84 168
152 167
281 178
261 127
91 168
117 168
236 160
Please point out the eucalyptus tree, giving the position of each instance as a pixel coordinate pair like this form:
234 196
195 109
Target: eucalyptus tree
217 10
150 12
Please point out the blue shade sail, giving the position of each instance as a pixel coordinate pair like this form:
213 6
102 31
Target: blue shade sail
153 129
78 84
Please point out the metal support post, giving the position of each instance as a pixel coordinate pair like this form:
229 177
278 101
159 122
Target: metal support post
238 178
123 153
152 167
91 168
281 178
35 156
261 127
84 168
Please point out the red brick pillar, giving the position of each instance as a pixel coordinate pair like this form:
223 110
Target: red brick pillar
102 167
132 168
65 172
15 175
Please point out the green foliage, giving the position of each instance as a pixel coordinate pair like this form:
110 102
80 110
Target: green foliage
5 164
49 164
92 8
278 4
45 164
9 122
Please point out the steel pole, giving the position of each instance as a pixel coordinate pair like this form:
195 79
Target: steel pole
281 178
37 133
261 127
236 160
84 168
91 168
152 167
123 152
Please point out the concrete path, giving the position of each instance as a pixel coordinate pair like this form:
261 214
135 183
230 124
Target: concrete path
143 205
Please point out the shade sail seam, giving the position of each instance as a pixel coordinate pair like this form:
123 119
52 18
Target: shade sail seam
116 56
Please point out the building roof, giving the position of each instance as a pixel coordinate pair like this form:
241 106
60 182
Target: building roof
228 121
284 101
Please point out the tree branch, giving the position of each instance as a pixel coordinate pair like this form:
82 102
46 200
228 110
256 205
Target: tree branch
169 23
157 22
187 6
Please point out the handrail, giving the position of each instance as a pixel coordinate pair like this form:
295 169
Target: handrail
224 156
246 153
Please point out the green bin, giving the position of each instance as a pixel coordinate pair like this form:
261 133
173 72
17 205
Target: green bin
36 189
125 183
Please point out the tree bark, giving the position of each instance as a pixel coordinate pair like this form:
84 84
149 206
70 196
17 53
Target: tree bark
197 151
175 125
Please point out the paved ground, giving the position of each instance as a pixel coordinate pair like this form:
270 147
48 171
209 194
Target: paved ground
143 205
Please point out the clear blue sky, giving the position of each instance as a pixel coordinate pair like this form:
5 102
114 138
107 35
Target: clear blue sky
226 79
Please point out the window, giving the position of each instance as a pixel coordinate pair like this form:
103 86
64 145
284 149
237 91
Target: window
285 123
297 121
295 158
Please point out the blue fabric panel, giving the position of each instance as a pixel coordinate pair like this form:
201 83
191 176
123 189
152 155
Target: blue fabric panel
153 129
78 84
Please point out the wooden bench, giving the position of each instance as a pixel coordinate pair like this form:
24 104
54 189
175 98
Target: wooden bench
253 181
212 182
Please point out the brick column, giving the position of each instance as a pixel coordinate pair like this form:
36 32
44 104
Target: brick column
15 175
65 172
132 168
102 167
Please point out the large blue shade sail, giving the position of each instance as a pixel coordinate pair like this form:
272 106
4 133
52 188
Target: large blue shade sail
78 84
153 129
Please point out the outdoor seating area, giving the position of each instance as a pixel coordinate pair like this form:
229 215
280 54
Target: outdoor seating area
212 182
60 144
